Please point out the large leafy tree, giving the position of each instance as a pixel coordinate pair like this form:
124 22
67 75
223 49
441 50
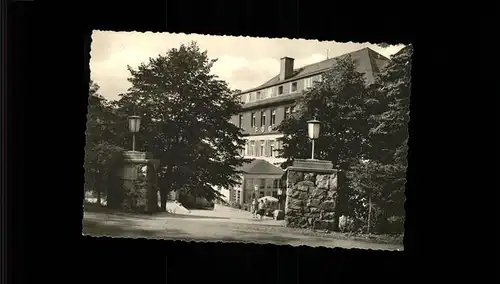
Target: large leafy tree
382 177
101 153
338 102
185 114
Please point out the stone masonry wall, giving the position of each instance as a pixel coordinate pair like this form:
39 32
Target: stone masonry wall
311 199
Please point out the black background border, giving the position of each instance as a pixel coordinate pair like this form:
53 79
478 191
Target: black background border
43 119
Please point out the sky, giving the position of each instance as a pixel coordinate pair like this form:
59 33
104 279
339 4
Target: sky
243 62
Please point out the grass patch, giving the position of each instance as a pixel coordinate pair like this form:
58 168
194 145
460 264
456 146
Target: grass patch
96 228
371 238
96 208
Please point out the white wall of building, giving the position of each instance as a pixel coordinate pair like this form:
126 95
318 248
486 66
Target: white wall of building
270 137
225 192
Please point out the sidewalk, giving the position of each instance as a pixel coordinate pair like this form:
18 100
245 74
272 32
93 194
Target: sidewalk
233 215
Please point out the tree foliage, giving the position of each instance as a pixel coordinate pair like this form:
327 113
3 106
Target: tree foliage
363 133
185 114
101 152
338 102
383 175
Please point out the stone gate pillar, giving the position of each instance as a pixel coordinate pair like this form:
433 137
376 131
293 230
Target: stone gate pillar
311 195
136 164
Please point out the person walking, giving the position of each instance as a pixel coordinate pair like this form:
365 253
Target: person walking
262 209
254 208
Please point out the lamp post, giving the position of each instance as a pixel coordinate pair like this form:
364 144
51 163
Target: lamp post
313 127
134 124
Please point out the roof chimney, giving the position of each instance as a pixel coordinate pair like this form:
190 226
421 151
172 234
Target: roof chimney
286 70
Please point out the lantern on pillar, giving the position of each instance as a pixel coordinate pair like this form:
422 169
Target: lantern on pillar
134 124
313 128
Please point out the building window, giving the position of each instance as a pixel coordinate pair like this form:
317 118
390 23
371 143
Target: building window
263 118
271 148
238 196
287 112
252 122
308 83
249 185
280 90
275 183
272 92
269 183
261 194
262 149
232 195
259 96
293 87
240 122
275 194
273 117
252 148
268 93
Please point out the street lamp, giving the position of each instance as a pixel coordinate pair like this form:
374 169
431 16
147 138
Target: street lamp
313 127
134 124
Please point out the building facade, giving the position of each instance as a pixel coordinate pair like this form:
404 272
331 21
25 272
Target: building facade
259 178
266 106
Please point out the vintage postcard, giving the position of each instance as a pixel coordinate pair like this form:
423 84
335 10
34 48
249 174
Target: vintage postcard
240 139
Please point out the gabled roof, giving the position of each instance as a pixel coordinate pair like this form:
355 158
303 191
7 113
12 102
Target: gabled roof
368 61
259 166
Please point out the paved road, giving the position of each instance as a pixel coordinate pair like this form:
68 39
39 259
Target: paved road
199 228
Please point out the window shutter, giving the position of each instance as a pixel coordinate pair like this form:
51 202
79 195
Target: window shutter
257 150
266 148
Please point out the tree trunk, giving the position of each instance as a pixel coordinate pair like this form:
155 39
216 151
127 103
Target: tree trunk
98 196
163 199
165 187
97 187
369 213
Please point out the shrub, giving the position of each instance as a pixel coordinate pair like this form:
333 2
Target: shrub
395 225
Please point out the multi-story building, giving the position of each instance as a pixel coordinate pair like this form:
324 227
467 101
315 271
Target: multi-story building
267 105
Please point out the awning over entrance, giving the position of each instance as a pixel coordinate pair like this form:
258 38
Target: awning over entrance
260 167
